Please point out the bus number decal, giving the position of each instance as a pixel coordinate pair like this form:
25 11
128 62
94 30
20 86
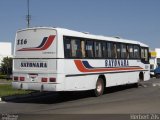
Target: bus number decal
21 41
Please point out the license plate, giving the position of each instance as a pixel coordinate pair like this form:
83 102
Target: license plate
33 77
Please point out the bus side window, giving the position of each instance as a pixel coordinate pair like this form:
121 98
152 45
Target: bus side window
144 55
109 49
124 52
114 50
89 49
130 50
98 49
146 52
127 51
118 51
75 48
136 52
67 47
83 49
104 49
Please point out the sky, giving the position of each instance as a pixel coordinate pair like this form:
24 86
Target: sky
130 19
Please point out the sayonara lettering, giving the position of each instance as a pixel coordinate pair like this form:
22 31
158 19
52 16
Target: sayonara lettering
34 64
116 63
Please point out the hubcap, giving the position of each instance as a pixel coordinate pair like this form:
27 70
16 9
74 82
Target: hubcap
99 87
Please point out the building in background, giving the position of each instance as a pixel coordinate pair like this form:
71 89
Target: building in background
5 50
155 58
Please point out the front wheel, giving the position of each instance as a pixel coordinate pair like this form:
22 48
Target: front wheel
98 91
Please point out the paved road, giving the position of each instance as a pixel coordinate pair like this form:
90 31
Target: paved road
117 100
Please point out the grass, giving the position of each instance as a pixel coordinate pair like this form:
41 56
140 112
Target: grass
7 90
5 81
8 77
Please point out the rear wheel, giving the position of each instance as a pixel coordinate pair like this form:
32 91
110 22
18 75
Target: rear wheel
98 91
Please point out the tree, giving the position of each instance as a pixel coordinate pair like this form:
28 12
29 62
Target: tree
6 65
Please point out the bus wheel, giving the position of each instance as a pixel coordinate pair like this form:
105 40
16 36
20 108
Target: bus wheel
157 76
98 91
141 79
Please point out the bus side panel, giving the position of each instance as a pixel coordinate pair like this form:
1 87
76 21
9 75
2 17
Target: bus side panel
121 78
76 79
80 83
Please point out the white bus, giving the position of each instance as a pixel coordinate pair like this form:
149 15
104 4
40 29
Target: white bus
57 59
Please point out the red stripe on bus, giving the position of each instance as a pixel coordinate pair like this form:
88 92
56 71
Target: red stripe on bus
82 68
44 47
49 42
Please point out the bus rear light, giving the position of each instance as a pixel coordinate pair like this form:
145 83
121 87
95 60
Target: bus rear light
52 79
15 78
44 79
22 78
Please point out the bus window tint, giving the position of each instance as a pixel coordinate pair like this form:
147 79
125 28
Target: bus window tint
83 49
136 52
123 51
89 49
75 48
104 49
130 50
67 47
98 49
118 51
144 54
109 49
114 50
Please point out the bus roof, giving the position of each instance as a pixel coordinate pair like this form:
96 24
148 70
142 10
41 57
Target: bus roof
67 32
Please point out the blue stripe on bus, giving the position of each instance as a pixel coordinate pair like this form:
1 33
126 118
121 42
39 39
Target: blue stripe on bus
86 64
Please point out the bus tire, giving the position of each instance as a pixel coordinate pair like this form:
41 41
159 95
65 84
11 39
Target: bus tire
136 85
158 75
141 79
98 91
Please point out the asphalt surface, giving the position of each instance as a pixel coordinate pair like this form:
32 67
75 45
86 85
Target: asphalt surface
122 100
